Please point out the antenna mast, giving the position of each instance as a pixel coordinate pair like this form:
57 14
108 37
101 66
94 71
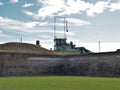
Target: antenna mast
64 27
21 39
99 46
65 24
54 27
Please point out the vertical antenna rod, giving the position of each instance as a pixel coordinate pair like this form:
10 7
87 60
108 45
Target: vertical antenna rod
54 27
64 27
99 46
64 22
21 39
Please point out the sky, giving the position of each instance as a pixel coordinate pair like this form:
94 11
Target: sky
89 21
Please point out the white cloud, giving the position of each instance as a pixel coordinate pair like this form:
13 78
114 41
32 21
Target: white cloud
75 6
14 1
35 16
35 23
61 7
77 22
1 4
114 6
3 35
50 7
57 24
28 27
57 32
43 24
26 5
98 8
6 23
31 24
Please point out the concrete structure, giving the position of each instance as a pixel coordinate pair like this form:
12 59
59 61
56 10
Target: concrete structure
62 45
20 64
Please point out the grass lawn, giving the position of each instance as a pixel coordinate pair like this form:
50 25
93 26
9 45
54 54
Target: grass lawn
59 83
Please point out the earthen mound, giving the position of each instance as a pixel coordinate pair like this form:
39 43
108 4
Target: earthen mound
23 48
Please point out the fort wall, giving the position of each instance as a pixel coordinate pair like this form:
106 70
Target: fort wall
102 64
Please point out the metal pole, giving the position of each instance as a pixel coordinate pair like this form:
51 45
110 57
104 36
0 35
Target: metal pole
64 20
54 27
99 46
64 28
21 39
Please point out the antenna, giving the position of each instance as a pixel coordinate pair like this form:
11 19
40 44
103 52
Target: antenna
64 21
99 46
64 27
21 39
62 40
54 27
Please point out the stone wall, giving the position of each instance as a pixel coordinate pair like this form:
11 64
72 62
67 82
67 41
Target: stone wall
13 64
106 64
102 64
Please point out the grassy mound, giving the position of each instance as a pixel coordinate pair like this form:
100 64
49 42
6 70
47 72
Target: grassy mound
23 48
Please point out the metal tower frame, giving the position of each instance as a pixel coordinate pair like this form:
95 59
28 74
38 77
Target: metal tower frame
64 19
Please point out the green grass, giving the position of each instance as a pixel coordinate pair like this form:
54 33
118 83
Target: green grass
59 83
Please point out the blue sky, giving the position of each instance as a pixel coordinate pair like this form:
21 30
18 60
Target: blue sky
89 21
